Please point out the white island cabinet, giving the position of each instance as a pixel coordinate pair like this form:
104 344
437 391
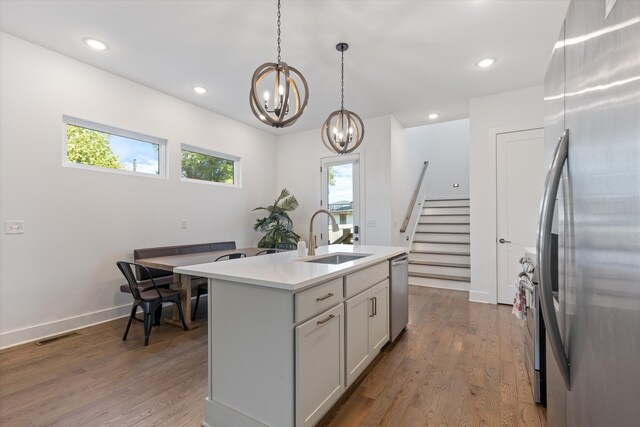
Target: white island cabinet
284 332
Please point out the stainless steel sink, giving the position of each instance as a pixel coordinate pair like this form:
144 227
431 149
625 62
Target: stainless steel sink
336 258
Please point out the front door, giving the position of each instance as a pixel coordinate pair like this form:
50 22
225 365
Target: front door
340 194
520 177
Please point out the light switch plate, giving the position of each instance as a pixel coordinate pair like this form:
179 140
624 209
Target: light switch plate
371 223
183 224
14 227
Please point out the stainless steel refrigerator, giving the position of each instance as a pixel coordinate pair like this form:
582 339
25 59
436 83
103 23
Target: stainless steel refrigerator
591 201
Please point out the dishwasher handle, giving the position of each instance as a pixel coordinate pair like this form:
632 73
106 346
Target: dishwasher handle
399 261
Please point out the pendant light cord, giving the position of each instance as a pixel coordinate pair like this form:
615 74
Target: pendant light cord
342 82
278 31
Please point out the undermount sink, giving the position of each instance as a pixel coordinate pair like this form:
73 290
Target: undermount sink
336 258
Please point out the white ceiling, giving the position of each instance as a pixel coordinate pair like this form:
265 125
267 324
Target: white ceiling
406 58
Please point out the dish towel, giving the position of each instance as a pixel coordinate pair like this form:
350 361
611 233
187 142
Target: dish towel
520 300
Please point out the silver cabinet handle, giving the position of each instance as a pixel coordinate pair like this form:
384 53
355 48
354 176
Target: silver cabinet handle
329 295
547 206
373 312
375 306
504 241
322 322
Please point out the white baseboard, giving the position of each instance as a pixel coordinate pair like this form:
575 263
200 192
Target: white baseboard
454 285
483 297
57 327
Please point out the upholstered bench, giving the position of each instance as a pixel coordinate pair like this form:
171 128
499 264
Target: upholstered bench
164 278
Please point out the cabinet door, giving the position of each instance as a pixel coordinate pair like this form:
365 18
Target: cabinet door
358 311
319 365
379 323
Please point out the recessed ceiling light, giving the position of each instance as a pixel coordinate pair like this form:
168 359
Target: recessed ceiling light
486 62
433 116
199 90
95 44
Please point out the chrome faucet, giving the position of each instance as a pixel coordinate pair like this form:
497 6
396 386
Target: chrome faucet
312 239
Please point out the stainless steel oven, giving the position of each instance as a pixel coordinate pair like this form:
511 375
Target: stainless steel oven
534 337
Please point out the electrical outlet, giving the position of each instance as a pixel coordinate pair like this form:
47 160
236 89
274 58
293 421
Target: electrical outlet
14 227
183 224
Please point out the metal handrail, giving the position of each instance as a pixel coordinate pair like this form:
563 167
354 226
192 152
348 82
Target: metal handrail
412 203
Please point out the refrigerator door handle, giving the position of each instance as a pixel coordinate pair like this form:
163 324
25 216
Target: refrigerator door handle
547 206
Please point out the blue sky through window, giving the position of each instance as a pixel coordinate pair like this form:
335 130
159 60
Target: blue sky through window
343 190
128 149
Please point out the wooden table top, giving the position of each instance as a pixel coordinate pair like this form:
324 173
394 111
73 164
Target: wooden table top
173 261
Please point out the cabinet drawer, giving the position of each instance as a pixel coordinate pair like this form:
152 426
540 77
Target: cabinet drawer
363 279
317 299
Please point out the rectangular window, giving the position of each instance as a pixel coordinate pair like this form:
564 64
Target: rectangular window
93 145
203 165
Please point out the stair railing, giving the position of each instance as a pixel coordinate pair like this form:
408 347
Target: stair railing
415 205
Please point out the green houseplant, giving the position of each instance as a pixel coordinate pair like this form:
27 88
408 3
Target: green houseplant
277 225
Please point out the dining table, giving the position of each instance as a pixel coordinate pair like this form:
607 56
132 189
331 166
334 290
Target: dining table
186 282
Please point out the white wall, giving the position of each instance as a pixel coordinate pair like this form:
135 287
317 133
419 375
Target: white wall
299 156
446 147
61 273
490 115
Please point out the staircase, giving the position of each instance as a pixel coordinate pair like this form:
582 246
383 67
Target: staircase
439 254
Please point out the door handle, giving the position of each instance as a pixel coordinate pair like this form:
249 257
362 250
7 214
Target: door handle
504 241
547 205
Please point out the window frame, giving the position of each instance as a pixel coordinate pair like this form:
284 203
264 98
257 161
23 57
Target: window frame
99 127
237 166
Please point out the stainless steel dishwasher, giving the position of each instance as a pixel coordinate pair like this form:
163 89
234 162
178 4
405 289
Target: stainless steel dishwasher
399 295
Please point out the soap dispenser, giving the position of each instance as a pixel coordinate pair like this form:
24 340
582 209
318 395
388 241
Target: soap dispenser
302 248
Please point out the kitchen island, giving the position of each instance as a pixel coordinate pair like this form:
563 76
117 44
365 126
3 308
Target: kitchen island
288 335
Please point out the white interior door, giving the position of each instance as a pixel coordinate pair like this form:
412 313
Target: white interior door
341 195
520 177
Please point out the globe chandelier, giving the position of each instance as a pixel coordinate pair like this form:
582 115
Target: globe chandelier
343 131
282 107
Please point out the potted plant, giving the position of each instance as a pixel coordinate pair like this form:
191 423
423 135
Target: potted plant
278 226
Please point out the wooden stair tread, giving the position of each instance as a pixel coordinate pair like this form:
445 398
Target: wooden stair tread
442 200
445 207
443 232
443 243
440 264
440 252
458 214
441 276
443 223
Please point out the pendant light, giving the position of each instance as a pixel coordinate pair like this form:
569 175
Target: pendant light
286 104
343 131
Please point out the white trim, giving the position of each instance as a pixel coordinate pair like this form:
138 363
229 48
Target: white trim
237 165
87 124
44 330
481 297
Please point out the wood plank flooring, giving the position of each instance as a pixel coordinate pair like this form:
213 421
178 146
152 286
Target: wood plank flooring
458 364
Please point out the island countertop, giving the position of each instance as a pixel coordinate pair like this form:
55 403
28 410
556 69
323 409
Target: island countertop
285 270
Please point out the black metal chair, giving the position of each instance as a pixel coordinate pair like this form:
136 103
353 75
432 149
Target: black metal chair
204 288
149 300
267 251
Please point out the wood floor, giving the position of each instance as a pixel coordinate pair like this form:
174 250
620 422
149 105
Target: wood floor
459 364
